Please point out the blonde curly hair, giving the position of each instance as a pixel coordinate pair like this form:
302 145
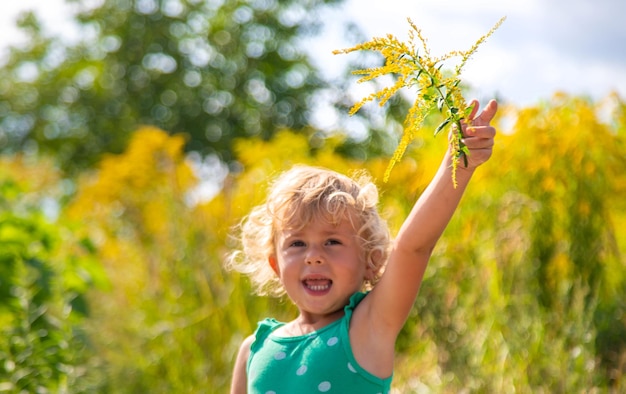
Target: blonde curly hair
298 196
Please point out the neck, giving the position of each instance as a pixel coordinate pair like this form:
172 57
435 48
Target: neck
307 323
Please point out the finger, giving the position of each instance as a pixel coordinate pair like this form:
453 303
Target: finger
478 144
481 132
474 104
486 115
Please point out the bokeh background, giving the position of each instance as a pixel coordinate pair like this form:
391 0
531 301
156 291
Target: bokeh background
135 134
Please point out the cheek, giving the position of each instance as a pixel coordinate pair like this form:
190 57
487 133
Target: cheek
286 266
357 265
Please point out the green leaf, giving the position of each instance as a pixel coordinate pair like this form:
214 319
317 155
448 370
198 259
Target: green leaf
442 126
440 102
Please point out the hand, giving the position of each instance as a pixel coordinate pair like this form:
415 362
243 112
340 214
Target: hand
479 134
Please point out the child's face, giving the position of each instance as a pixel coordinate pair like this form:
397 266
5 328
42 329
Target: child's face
320 265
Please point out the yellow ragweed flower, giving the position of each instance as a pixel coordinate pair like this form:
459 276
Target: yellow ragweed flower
410 67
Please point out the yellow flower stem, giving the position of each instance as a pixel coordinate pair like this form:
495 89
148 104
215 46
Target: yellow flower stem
453 116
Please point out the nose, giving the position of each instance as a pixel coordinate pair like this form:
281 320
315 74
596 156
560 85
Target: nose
314 256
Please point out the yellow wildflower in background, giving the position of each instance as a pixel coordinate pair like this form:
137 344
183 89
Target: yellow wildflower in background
413 66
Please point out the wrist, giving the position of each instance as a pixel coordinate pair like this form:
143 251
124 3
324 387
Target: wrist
462 174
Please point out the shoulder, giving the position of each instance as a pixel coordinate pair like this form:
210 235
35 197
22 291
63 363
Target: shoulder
240 381
246 344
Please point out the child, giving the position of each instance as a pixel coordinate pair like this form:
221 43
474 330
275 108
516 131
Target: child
319 238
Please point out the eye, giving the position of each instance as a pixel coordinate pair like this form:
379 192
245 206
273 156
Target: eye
333 242
297 244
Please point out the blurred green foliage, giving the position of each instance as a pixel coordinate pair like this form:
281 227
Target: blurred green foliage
45 273
513 300
526 291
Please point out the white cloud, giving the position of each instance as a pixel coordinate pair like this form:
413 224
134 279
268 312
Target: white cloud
544 46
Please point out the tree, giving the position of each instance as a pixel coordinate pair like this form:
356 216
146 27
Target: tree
215 70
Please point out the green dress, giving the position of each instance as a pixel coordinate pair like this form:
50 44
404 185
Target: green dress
319 362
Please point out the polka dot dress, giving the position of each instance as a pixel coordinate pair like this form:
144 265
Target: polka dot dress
319 362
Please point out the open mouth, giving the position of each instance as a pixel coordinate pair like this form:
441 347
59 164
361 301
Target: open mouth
317 284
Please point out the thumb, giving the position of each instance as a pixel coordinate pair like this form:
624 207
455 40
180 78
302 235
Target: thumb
486 115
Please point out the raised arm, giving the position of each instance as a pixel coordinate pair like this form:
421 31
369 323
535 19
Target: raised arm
393 297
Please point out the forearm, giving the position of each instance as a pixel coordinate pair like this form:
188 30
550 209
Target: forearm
414 244
393 296
433 210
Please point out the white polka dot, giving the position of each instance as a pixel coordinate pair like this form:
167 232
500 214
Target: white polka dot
280 356
351 368
270 392
324 387
332 341
301 371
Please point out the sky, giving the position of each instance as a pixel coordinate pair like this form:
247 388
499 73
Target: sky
544 46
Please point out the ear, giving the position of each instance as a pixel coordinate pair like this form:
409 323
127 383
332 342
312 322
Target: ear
369 274
274 264
370 271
